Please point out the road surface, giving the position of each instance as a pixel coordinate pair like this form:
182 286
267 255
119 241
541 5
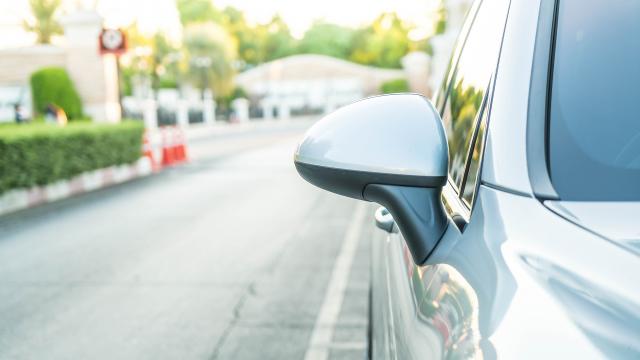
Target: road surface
228 257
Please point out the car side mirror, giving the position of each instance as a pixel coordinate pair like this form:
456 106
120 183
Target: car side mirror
389 149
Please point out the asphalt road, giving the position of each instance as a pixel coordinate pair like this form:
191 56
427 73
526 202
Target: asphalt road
228 257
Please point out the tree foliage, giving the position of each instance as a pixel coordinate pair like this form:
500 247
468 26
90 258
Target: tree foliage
210 52
261 42
164 60
328 39
54 86
154 56
394 86
278 41
44 24
196 11
440 25
224 41
383 43
249 39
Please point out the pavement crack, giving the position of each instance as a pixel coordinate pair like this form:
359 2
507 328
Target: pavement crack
250 290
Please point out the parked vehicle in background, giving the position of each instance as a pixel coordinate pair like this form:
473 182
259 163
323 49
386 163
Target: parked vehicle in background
511 202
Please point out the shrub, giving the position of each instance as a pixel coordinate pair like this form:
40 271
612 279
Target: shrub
394 86
53 86
39 154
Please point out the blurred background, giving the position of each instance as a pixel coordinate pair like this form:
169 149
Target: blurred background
148 203
286 58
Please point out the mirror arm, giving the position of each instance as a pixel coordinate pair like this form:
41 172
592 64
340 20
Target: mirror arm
384 220
418 211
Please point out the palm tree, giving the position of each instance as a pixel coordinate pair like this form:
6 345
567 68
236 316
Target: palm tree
45 25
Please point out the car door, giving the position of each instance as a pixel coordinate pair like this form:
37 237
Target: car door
429 311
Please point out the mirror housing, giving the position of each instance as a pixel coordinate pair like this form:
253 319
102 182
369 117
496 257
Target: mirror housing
389 149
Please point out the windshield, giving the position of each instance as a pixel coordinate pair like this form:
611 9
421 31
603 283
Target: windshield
594 129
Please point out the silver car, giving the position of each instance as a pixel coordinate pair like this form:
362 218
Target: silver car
512 201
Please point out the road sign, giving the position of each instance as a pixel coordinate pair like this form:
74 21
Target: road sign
113 41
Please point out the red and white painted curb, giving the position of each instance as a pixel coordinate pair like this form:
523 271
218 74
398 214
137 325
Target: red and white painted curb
20 199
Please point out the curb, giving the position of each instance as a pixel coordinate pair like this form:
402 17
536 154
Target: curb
20 199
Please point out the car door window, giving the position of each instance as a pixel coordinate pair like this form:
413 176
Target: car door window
473 171
469 83
443 91
594 128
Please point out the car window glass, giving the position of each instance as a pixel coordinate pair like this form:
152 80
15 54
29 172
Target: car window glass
441 94
594 123
473 173
475 67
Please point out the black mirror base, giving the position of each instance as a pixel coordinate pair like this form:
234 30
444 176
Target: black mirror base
418 211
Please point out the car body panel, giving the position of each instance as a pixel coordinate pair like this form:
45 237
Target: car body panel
517 276
616 221
397 332
505 288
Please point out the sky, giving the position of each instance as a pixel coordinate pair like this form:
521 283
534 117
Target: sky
299 15
153 15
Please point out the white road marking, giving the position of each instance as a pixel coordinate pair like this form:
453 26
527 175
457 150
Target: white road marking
323 329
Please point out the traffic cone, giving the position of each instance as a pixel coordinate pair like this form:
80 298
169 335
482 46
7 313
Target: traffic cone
185 152
174 145
147 150
181 146
168 158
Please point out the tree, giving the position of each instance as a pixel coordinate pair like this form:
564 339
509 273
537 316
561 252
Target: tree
136 64
44 24
394 86
153 57
250 40
164 59
328 39
196 11
52 85
261 42
440 25
383 43
210 53
278 41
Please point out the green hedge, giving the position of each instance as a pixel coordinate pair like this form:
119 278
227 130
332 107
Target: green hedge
394 86
53 86
39 154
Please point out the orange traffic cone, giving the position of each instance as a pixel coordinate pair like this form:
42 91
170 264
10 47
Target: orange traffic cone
147 150
174 144
168 157
181 146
